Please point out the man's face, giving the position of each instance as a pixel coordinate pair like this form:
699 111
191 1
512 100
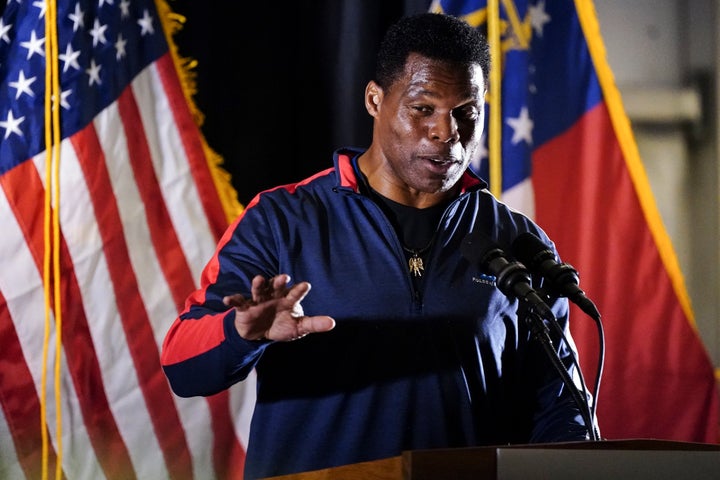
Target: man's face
429 124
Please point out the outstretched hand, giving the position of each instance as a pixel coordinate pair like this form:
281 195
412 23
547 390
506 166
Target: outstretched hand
274 312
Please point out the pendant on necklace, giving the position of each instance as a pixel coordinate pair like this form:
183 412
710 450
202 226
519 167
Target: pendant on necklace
415 264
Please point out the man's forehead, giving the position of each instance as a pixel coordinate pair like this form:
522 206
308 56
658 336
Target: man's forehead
421 72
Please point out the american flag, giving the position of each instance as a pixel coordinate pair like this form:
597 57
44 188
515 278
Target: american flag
103 236
569 159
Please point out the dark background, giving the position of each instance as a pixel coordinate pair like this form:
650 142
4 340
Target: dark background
281 87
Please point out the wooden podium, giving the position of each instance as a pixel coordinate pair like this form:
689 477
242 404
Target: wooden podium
638 459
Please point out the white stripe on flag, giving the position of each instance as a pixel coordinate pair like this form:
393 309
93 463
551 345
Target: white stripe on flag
84 242
20 282
9 466
521 197
171 167
242 404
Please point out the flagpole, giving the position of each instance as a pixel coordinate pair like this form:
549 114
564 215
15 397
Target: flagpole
52 238
495 95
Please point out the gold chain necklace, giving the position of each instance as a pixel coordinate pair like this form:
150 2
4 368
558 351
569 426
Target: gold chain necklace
406 220
416 265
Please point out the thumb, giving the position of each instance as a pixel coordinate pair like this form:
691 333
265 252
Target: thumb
317 323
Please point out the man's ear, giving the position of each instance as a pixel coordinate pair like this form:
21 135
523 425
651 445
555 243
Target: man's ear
373 97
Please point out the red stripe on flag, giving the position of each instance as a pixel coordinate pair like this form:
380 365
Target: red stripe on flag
23 186
228 453
175 270
169 253
19 399
139 335
656 364
191 138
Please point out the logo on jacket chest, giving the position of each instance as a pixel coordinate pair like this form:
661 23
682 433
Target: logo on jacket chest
484 279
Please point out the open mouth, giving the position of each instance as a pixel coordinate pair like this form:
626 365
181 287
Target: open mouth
439 163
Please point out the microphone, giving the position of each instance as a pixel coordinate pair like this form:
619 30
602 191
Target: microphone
563 278
511 277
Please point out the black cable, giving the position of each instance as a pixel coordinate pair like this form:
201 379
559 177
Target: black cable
540 332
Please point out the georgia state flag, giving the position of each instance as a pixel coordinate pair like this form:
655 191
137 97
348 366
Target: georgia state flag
567 157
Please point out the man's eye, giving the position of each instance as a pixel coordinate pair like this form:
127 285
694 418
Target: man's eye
467 114
422 108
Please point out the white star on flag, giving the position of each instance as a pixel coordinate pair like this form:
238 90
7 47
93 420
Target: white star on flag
522 127
538 17
11 125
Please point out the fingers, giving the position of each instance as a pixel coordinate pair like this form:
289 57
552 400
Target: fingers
280 281
236 301
298 292
275 311
263 290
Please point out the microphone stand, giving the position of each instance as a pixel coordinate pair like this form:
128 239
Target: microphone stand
541 333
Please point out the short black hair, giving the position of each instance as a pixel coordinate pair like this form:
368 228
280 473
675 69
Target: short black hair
434 35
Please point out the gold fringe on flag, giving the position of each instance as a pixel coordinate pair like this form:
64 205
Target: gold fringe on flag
631 154
172 23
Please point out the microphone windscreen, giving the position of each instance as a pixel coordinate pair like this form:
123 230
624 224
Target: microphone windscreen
530 250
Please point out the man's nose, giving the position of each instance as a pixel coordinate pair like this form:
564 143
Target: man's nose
445 129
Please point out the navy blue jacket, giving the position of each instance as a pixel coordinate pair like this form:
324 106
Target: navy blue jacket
449 365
